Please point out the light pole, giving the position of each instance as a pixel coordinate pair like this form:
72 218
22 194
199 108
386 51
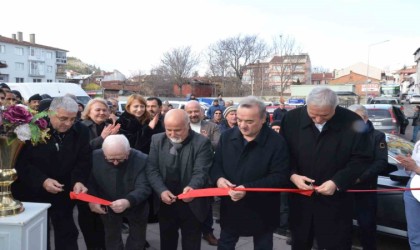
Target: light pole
367 71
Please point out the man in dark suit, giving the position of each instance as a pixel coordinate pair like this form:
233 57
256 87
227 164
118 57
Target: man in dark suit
48 172
328 153
366 203
119 175
179 161
210 130
250 155
279 112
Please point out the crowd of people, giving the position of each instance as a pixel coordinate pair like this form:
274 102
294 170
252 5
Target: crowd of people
142 159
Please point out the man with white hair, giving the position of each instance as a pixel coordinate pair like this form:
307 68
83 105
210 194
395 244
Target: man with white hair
48 172
179 161
118 175
327 155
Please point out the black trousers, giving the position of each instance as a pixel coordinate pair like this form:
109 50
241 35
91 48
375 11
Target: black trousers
174 217
91 226
65 230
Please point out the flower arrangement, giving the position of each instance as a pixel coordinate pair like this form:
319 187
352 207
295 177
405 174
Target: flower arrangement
25 124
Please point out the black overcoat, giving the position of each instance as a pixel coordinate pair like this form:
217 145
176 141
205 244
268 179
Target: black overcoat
261 163
339 153
67 161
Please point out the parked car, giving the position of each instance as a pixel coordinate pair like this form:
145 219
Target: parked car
387 118
390 215
385 100
414 99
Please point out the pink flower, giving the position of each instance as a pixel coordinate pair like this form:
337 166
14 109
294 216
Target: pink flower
41 123
17 115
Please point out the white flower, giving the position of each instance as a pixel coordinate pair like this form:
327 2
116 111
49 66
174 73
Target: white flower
23 132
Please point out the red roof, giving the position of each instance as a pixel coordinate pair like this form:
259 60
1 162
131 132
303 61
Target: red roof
321 76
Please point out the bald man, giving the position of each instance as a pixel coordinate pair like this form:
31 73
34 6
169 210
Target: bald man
118 175
179 160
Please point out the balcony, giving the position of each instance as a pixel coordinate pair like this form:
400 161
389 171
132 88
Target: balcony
3 64
61 60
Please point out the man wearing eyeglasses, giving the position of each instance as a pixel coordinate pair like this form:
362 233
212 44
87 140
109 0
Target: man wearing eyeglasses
118 175
48 172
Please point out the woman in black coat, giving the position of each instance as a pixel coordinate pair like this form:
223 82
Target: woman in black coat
136 123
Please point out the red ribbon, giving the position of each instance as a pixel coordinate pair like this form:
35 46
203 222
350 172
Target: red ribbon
89 198
208 192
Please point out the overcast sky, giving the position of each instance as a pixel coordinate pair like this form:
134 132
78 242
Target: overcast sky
132 35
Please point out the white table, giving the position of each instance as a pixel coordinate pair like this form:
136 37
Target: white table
27 230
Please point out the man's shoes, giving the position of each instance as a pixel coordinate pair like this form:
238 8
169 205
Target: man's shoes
211 239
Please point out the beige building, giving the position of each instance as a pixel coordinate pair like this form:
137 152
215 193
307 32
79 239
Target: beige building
278 74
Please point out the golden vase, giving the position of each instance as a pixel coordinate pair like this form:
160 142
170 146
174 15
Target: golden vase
9 152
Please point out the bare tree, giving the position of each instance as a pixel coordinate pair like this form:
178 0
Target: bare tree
286 63
230 57
179 64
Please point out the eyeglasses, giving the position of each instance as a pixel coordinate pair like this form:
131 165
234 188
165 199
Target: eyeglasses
217 113
112 160
66 119
10 99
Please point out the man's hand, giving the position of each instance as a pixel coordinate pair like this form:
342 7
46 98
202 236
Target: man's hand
52 186
154 121
223 183
120 205
79 188
96 208
167 197
237 195
186 190
301 181
327 188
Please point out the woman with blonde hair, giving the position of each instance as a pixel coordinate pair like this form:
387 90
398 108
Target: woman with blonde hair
96 117
136 123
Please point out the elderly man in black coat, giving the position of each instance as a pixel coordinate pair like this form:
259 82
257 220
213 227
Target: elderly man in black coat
119 175
250 155
328 154
48 172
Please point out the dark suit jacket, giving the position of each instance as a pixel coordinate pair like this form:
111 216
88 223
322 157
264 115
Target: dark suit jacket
125 181
196 157
261 163
213 132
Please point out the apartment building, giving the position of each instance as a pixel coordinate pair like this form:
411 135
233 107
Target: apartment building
279 73
27 61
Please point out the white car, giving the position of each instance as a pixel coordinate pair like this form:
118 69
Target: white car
414 99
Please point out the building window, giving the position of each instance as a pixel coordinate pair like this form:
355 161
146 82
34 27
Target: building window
19 66
48 55
37 68
19 51
49 80
2 49
36 80
19 79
